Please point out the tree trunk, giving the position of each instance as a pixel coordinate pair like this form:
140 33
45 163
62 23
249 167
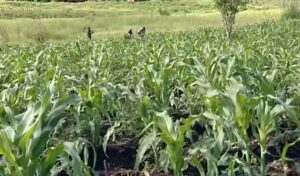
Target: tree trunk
229 20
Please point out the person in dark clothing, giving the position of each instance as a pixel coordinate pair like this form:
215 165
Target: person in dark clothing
89 33
142 31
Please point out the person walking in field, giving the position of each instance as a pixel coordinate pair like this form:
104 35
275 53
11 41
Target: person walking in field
89 33
142 31
129 34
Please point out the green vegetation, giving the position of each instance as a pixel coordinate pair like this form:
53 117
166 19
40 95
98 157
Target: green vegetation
28 146
30 22
229 9
189 100
292 11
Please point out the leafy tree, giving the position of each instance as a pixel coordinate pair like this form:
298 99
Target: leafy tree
228 9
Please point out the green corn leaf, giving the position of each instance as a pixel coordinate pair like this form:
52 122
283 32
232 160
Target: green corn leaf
194 161
286 147
70 148
108 134
51 158
144 145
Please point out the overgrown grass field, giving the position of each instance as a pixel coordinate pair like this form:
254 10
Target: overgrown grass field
29 22
184 103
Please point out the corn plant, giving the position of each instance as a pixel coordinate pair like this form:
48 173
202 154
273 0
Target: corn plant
28 146
173 135
222 104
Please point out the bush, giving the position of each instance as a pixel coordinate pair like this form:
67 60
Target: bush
164 12
42 34
292 12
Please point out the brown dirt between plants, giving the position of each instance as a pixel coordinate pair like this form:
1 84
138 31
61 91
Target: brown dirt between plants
121 161
122 157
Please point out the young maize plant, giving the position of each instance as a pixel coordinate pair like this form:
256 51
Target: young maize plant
171 103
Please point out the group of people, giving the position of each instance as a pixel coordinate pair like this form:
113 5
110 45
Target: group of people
141 33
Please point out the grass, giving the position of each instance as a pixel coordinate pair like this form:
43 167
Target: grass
292 11
62 22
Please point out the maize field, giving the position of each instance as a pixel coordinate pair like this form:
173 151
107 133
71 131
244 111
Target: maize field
186 103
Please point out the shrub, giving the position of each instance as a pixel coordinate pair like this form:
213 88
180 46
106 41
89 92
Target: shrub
42 34
164 12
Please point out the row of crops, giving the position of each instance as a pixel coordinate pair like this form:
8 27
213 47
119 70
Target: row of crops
188 103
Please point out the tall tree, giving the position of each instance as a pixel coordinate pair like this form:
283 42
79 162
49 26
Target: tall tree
228 9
